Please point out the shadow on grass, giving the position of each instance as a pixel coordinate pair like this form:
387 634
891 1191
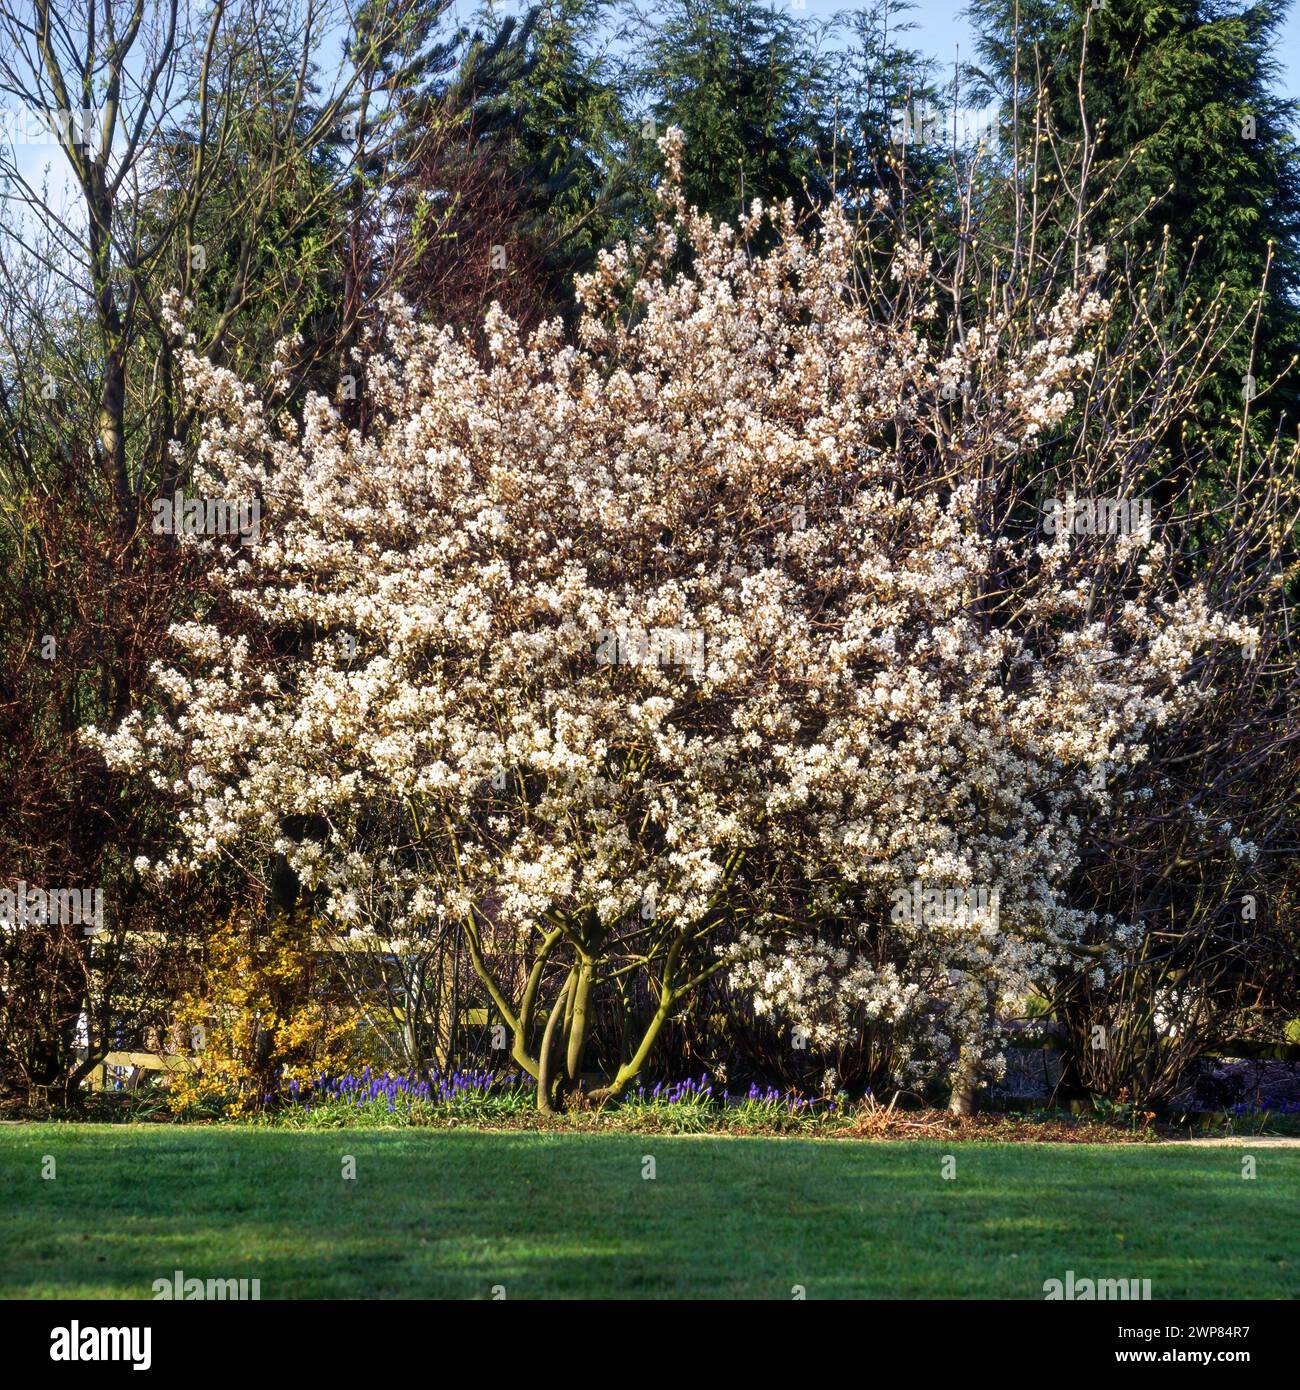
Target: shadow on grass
460 1214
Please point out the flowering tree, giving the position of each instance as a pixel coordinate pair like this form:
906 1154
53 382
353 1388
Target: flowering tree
726 638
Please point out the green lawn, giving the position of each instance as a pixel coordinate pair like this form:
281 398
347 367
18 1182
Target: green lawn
453 1213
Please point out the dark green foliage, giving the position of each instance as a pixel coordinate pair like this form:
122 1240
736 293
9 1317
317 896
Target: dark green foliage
1191 138
545 96
741 80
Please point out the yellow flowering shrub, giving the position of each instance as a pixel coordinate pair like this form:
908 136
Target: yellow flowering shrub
265 1011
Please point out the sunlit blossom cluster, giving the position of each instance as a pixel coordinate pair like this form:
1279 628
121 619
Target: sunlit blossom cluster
893 688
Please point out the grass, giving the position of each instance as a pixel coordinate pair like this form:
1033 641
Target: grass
451 1213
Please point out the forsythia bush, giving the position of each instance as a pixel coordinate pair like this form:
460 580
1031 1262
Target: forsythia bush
262 1014
727 637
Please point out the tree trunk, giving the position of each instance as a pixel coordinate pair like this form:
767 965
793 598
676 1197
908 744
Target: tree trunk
545 1080
965 1083
581 1002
